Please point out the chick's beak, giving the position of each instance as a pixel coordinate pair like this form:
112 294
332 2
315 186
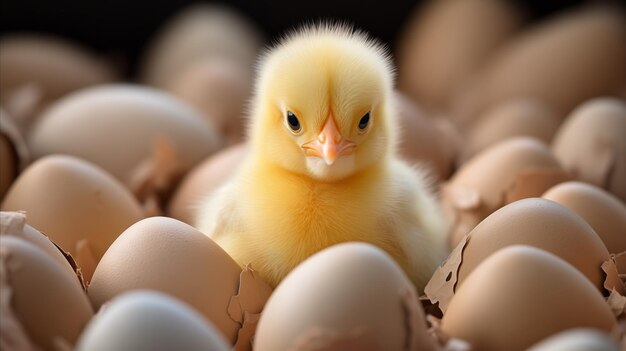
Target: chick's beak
330 144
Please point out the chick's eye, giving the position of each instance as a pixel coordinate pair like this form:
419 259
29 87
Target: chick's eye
293 122
365 120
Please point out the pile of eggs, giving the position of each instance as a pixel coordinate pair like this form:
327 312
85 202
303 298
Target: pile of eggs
523 127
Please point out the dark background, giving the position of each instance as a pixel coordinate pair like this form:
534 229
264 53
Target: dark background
121 28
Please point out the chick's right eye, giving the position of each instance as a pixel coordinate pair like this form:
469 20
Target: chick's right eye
293 122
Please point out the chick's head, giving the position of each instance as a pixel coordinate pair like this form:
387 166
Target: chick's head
322 103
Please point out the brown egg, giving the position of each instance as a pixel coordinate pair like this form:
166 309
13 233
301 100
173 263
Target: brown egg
150 321
14 224
14 154
163 254
203 179
81 207
512 169
423 140
116 126
519 296
579 339
38 69
511 118
591 145
351 296
198 32
604 212
41 304
562 62
218 88
541 223
447 41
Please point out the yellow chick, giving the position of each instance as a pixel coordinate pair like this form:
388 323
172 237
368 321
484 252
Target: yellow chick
322 167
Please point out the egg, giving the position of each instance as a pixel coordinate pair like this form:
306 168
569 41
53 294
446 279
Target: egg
38 69
512 169
14 155
44 304
604 212
445 42
203 179
591 145
164 254
519 296
116 127
511 118
350 296
219 89
579 339
14 224
197 32
150 321
567 59
424 140
77 204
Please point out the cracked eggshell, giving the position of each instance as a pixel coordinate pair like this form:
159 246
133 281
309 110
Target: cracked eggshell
14 224
146 320
78 205
38 297
115 127
604 212
511 118
591 144
350 296
543 224
521 295
164 254
510 170
203 179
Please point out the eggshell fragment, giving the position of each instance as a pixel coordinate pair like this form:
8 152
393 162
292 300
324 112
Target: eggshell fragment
604 212
529 294
580 339
38 69
77 204
517 117
198 32
447 41
150 321
591 145
203 179
565 60
510 170
163 254
350 296
46 301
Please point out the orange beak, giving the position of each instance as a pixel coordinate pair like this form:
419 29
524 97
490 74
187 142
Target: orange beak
329 144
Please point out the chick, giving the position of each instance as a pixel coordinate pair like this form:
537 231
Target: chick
322 167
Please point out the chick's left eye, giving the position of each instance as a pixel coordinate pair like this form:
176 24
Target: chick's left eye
365 120
293 122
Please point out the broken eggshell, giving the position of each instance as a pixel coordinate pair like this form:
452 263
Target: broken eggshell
164 254
590 144
77 204
500 291
144 320
347 296
536 222
39 297
510 170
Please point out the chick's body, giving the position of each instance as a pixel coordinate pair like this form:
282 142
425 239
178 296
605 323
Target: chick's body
322 168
